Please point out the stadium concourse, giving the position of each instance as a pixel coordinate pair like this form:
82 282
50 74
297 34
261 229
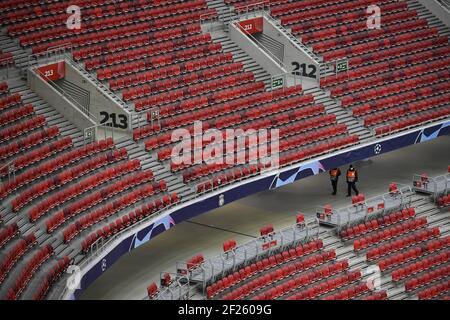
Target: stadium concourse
242 220
91 92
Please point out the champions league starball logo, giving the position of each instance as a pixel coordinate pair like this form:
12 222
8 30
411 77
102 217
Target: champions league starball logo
377 149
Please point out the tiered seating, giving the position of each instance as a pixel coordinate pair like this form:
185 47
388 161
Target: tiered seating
314 290
381 295
411 239
357 230
27 272
62 161
7 233
58 181
398 75
271 269
424 264
24 138
52 276
15 253
106 211
388 233
105 21
86 202
295 115
121 223
434 291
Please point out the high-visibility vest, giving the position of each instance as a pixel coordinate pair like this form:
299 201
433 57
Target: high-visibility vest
334 174
351 176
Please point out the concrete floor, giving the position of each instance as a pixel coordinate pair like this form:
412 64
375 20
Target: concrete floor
129 277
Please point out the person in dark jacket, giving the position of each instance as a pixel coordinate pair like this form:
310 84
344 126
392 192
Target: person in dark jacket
352 179
334 177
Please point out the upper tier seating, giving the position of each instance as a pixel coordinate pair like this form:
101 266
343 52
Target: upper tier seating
399 74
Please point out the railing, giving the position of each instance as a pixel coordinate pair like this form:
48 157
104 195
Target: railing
11 170
356 212
269 53
244 11
52 54
68 96
296 40
6 64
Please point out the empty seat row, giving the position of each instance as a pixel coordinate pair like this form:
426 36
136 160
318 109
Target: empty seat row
302 250
109 34
40 153
28 142
324 287
391 76
434 291
171 52
255 98
158 42
317 149
443 201
106 211
130 196
119 21
192 90
19 10
389 59
413 121
335 39
15 253
355 231
58 162
428 277
328 10
3 87
16 114
355 21
424 264
22 127
299 106
28 271
7 233
162 72
77 172
57 270
350 292
380 295
155 61
10 101
87 201
374 45
318 273
121 223
402 257
194 86
399 244
389 233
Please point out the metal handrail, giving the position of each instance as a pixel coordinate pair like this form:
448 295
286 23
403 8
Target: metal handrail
308 52
67 95
275 58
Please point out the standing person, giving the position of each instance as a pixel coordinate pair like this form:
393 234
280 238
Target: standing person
352 178
334 177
